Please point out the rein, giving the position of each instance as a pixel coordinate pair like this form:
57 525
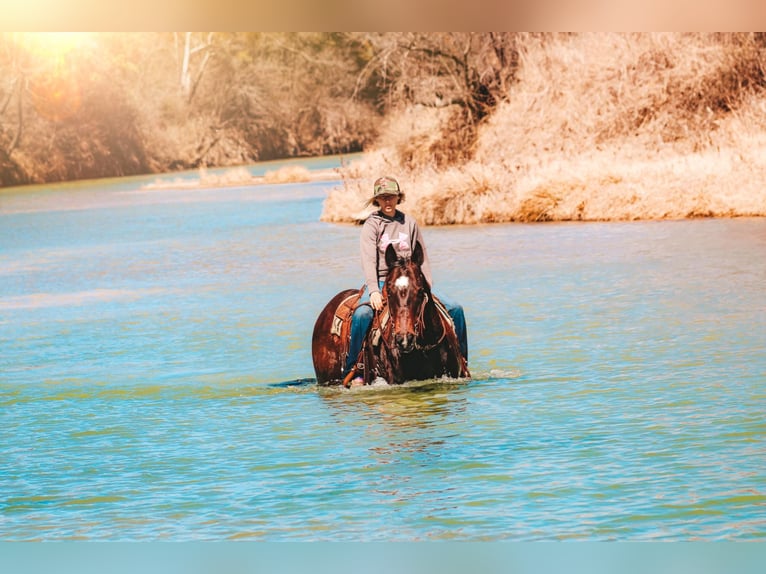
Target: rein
420 325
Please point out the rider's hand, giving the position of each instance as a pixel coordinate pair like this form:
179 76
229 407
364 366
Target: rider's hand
376 300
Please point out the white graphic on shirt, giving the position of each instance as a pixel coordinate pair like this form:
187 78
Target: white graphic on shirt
400 244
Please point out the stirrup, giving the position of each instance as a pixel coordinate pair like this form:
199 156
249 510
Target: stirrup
354 372
349 377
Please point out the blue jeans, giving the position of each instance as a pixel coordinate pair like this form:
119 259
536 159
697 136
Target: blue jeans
362 319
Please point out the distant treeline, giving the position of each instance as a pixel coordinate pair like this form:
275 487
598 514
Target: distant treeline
76 106
479 127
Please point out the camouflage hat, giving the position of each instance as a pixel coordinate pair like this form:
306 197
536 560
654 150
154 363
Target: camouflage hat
384 186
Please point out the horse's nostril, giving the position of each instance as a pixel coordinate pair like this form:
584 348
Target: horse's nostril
405 342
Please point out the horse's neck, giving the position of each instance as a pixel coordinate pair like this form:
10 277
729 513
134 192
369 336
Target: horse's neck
434 325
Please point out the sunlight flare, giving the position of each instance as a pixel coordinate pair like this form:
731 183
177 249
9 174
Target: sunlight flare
55 45
53 85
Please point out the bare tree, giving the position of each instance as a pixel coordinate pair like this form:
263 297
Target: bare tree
467 69
14 71
467 72
189 79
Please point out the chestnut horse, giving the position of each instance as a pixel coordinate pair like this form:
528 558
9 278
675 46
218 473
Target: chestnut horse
412 338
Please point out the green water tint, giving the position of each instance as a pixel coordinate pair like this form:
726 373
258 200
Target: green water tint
156 378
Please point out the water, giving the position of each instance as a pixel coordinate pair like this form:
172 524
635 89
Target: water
156 378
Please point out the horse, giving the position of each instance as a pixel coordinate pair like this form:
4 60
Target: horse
412 338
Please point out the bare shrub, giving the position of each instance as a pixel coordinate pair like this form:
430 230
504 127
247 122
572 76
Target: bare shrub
288 174
234 176
538 207
609 126
466 74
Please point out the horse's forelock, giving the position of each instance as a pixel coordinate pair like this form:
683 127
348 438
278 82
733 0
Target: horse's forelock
407 267
417 271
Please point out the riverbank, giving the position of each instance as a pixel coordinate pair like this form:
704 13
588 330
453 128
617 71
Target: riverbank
714 183
596 127
521 127
600 187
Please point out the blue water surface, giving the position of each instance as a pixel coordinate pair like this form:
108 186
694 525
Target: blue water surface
156 379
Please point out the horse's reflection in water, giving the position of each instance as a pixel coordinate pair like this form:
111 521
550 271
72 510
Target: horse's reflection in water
398 422
413 339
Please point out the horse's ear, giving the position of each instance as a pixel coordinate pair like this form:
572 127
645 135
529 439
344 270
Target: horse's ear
391 257
417 254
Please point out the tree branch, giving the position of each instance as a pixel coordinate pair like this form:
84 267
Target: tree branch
17 137
10 95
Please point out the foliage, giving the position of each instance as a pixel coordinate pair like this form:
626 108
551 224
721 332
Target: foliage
457 78
592 127
81 106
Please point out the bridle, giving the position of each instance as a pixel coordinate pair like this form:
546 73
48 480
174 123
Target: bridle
419 324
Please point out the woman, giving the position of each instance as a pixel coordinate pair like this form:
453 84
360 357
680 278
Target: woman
389 226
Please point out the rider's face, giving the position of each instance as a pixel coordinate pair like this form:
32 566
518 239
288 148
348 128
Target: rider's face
387 203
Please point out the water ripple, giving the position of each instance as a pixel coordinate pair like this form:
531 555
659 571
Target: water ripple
156 381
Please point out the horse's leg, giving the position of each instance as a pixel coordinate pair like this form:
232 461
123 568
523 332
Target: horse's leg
370 361
384 365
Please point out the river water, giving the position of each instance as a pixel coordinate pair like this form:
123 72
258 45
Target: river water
156 378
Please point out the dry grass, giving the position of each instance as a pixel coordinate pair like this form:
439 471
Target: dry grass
240 176
288 174
233 176
599 127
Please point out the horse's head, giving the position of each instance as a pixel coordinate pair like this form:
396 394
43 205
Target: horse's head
407 292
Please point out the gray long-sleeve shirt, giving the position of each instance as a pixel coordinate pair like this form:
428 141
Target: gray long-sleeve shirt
377 233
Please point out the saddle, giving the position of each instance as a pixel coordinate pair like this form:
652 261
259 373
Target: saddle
341 321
